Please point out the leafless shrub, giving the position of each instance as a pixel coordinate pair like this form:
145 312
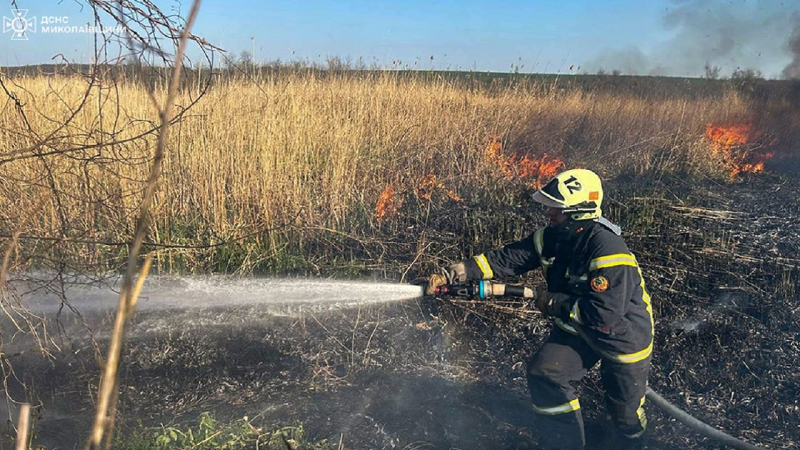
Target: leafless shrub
62 152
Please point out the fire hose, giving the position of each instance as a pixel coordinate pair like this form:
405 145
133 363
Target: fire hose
481 290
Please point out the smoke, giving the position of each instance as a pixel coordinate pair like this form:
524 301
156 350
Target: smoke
792 71
630 61
762 35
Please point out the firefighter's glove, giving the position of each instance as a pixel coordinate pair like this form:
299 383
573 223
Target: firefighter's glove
456 273
452 274
434 281
543 300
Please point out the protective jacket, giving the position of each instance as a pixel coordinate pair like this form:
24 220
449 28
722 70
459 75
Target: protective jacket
595 281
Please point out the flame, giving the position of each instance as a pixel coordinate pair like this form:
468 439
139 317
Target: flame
730 143
388 204
429 183
724 138
548 170
534 171
391 200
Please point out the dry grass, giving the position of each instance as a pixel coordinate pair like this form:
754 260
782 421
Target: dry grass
285 157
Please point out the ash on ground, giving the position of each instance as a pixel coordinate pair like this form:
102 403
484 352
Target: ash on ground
721 265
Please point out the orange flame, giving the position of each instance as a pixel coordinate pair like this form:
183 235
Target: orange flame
391 200
547 170
724 138
532 170
430 183
730 143
388 204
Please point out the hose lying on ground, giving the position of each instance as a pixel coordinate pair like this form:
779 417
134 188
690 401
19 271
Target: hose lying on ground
697 425
684 417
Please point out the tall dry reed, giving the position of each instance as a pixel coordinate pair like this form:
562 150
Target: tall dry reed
285 158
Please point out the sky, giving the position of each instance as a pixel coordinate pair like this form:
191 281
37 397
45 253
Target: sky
653 37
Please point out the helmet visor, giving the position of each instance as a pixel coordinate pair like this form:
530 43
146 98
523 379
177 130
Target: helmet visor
539 197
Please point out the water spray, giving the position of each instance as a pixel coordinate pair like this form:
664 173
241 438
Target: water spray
218 291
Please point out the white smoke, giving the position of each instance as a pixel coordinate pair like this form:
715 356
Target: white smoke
761 35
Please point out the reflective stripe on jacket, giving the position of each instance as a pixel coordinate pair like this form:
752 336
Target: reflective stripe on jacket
599 291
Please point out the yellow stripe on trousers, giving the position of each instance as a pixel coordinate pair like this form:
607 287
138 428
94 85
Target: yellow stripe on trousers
570 406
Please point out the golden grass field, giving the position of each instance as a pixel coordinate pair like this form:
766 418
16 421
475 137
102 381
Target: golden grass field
352 173
283 158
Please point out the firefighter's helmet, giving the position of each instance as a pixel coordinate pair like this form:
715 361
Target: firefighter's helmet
578 193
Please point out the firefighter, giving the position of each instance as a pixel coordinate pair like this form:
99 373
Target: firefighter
600 308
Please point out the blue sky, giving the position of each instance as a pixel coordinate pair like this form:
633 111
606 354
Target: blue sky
669 37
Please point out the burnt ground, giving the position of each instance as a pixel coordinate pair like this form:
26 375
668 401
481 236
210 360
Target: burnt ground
721 263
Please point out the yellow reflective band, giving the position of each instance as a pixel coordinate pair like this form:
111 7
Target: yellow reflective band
640 410
619 259
538 243
646 299
631 358
575 314
483 263
574 405
648 307
568 328
642 420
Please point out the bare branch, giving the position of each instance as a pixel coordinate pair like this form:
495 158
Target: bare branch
108 383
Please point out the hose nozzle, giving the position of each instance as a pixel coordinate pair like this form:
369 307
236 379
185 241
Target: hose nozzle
477 290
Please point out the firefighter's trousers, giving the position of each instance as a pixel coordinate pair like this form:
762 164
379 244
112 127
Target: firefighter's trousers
565 358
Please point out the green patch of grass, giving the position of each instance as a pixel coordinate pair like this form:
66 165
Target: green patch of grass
210 434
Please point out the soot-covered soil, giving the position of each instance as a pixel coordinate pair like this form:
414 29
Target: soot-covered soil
720 261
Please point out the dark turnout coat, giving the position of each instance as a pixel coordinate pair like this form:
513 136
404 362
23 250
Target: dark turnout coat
597 285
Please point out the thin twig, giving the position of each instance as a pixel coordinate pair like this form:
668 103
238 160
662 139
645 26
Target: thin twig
109 377
23 427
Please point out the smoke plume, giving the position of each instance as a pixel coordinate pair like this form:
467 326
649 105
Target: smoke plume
792 71
762 35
